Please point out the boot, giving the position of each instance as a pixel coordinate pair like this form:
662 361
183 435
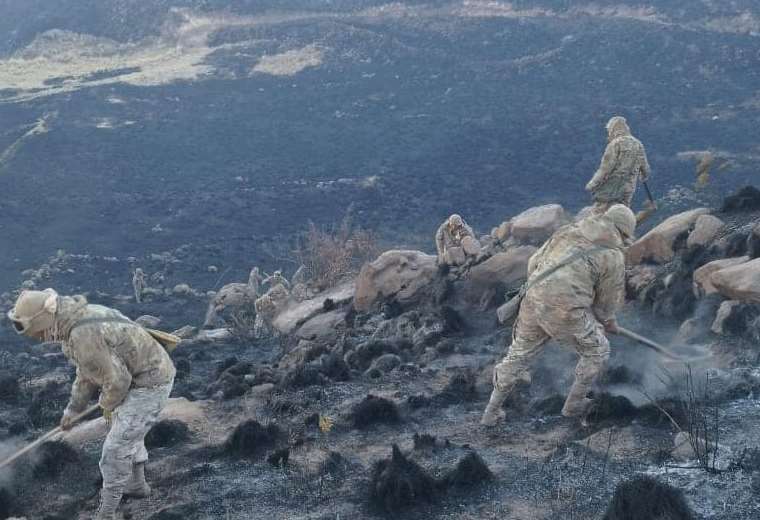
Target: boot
494 413
137 487
577 403
109 503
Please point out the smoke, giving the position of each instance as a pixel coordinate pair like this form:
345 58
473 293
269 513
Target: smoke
7 449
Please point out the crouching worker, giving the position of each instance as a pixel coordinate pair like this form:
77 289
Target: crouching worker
111 353
576 284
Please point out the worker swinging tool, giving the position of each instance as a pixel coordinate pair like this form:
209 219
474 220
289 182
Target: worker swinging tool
129 364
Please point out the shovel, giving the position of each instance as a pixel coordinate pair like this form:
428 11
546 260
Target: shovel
651 206
42 440
661 350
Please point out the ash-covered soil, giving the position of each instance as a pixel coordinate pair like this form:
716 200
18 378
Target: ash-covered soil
335 436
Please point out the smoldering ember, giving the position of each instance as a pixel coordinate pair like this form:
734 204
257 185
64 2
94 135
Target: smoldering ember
305 259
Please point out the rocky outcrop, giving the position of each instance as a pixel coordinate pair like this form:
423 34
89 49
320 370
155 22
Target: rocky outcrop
505 268
230 298
703 276
706 229
740 282
297 314
657 246
323 327
400 275
536 225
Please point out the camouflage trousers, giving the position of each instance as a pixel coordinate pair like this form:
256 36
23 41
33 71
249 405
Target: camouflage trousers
125 444
535 326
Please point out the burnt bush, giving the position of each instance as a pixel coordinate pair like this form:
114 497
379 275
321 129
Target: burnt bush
8 506
551 405
167 433
744 200
374 410
364 354
460 388
424 441
250 439
279 458
615 408
645 498
53 458
9 387
334 465
327 367
470 471
398 483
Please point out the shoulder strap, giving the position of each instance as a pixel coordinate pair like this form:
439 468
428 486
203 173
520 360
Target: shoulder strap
565 262
105 319
166 340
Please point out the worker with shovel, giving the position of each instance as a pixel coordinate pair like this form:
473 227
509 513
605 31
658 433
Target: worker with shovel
125 361
623 165
576 284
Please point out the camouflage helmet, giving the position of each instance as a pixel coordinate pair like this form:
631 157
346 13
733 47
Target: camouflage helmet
624 221
617 126
455 221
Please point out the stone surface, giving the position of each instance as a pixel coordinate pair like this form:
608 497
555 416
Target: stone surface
740 282
323 327
535 225
152 322
706 229
402 275
703 276
502 269
640 277
724 312
503 232
186 332
657 245
291 318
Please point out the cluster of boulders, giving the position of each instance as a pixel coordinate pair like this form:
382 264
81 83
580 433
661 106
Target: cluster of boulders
703 267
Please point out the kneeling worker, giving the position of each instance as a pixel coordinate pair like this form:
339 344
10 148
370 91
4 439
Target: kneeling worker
575 286
132 370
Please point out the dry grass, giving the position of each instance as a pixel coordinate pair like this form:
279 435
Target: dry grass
332 255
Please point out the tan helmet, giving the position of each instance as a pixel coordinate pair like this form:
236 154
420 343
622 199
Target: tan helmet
455 221
624 221
617 126
34 312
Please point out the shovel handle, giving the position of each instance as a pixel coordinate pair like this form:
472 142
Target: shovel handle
49 435
647 343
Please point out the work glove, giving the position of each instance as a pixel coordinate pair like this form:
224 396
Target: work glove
108 416
611 326
67 421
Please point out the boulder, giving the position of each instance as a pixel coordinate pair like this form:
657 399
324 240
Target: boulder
148 321
706 229
323 327
753 242
703 276
502 269
402 275
503 232
640 277
657 245
724 313
231 298
186 332
295 315
740 282
535 225
182 290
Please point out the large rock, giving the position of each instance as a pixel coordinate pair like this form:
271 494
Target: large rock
291 318
536 225
323 327
230 299
724 313
740 282
657 245
706 229
703 276
401 275
502 269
